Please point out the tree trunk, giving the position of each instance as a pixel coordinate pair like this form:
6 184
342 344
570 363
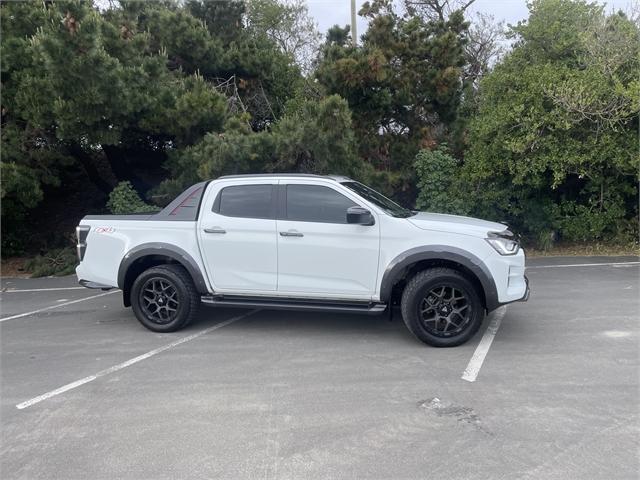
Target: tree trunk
119 165
88 163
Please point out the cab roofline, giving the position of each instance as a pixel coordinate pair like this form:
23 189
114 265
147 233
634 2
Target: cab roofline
337 178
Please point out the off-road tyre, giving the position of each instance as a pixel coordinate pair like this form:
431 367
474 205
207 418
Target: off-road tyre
164 298
431 314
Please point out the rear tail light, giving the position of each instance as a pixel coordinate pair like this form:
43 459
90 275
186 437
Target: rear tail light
81 235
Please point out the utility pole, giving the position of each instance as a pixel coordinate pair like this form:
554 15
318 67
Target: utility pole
354 34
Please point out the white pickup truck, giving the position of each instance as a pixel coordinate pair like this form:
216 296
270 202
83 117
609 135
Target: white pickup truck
303 242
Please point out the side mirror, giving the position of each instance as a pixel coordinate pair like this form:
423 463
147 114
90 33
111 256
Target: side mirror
359 216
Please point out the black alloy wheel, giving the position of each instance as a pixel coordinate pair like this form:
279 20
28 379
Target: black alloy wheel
445 311
442 307
164 298
159 300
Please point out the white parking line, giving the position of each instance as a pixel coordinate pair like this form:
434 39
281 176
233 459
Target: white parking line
41 289
612 264
51 307
128 363
473 367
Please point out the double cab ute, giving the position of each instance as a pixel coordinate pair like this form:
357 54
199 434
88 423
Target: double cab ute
303 242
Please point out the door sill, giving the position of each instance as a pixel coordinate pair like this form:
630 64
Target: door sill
310 305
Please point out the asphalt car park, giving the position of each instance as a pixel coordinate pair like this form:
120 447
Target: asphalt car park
547 389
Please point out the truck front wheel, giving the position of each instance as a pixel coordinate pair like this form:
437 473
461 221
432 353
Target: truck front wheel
441 307
164 298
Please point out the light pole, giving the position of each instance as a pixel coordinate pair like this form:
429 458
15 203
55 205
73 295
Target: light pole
354 34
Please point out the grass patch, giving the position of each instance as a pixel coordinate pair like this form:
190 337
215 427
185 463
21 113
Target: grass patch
586 250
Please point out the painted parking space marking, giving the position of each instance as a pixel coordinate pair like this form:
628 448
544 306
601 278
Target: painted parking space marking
612 264
470 373
26 290
51 307
617 334
128 363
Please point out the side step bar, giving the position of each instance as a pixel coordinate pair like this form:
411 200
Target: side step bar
309 305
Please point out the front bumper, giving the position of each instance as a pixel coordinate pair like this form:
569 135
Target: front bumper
527 292
524 298
508 274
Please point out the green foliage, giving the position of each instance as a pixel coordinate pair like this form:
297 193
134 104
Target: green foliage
62 261
163 94
440 188
312 137
222 19
558 119
13 234
114 92
236 150
124 199
579 223
316 137
288 25
597 214
403 84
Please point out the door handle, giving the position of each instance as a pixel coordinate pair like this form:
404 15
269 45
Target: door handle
291 233
215 230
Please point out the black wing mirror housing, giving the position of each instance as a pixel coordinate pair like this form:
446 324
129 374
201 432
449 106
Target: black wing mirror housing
360 216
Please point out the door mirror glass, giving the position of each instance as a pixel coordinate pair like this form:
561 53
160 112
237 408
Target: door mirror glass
359 216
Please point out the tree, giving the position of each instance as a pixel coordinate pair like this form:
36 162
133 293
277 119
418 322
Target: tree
99 89
436 9
312 137
403 84
483 49
163 94
253 60
115 92
317 137
31 157
223 19
288 25
558 118
439 189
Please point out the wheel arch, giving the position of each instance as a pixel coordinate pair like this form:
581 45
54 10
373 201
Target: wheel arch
148 255
405 265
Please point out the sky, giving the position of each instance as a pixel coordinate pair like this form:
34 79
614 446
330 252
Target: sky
330 12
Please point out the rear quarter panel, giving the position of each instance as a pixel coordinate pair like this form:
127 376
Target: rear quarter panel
110 240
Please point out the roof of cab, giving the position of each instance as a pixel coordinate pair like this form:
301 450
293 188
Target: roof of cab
337 178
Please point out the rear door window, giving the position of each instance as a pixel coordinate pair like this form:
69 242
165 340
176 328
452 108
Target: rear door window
247 201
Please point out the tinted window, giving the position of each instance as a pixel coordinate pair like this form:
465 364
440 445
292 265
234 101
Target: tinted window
314 203
249 201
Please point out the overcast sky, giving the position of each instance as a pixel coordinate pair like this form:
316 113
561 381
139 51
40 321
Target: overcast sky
331 12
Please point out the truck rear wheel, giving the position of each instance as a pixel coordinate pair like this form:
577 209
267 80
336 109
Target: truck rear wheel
164 298
441 307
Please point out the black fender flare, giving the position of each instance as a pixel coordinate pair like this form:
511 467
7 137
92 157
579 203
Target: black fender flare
397 266
166 250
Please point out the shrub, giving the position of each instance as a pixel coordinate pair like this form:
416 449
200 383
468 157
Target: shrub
13 237
124 199
61 261
583 223
438 182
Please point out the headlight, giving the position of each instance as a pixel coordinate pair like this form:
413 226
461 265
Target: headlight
503 242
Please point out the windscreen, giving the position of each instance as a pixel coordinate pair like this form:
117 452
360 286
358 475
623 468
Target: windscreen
386 204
